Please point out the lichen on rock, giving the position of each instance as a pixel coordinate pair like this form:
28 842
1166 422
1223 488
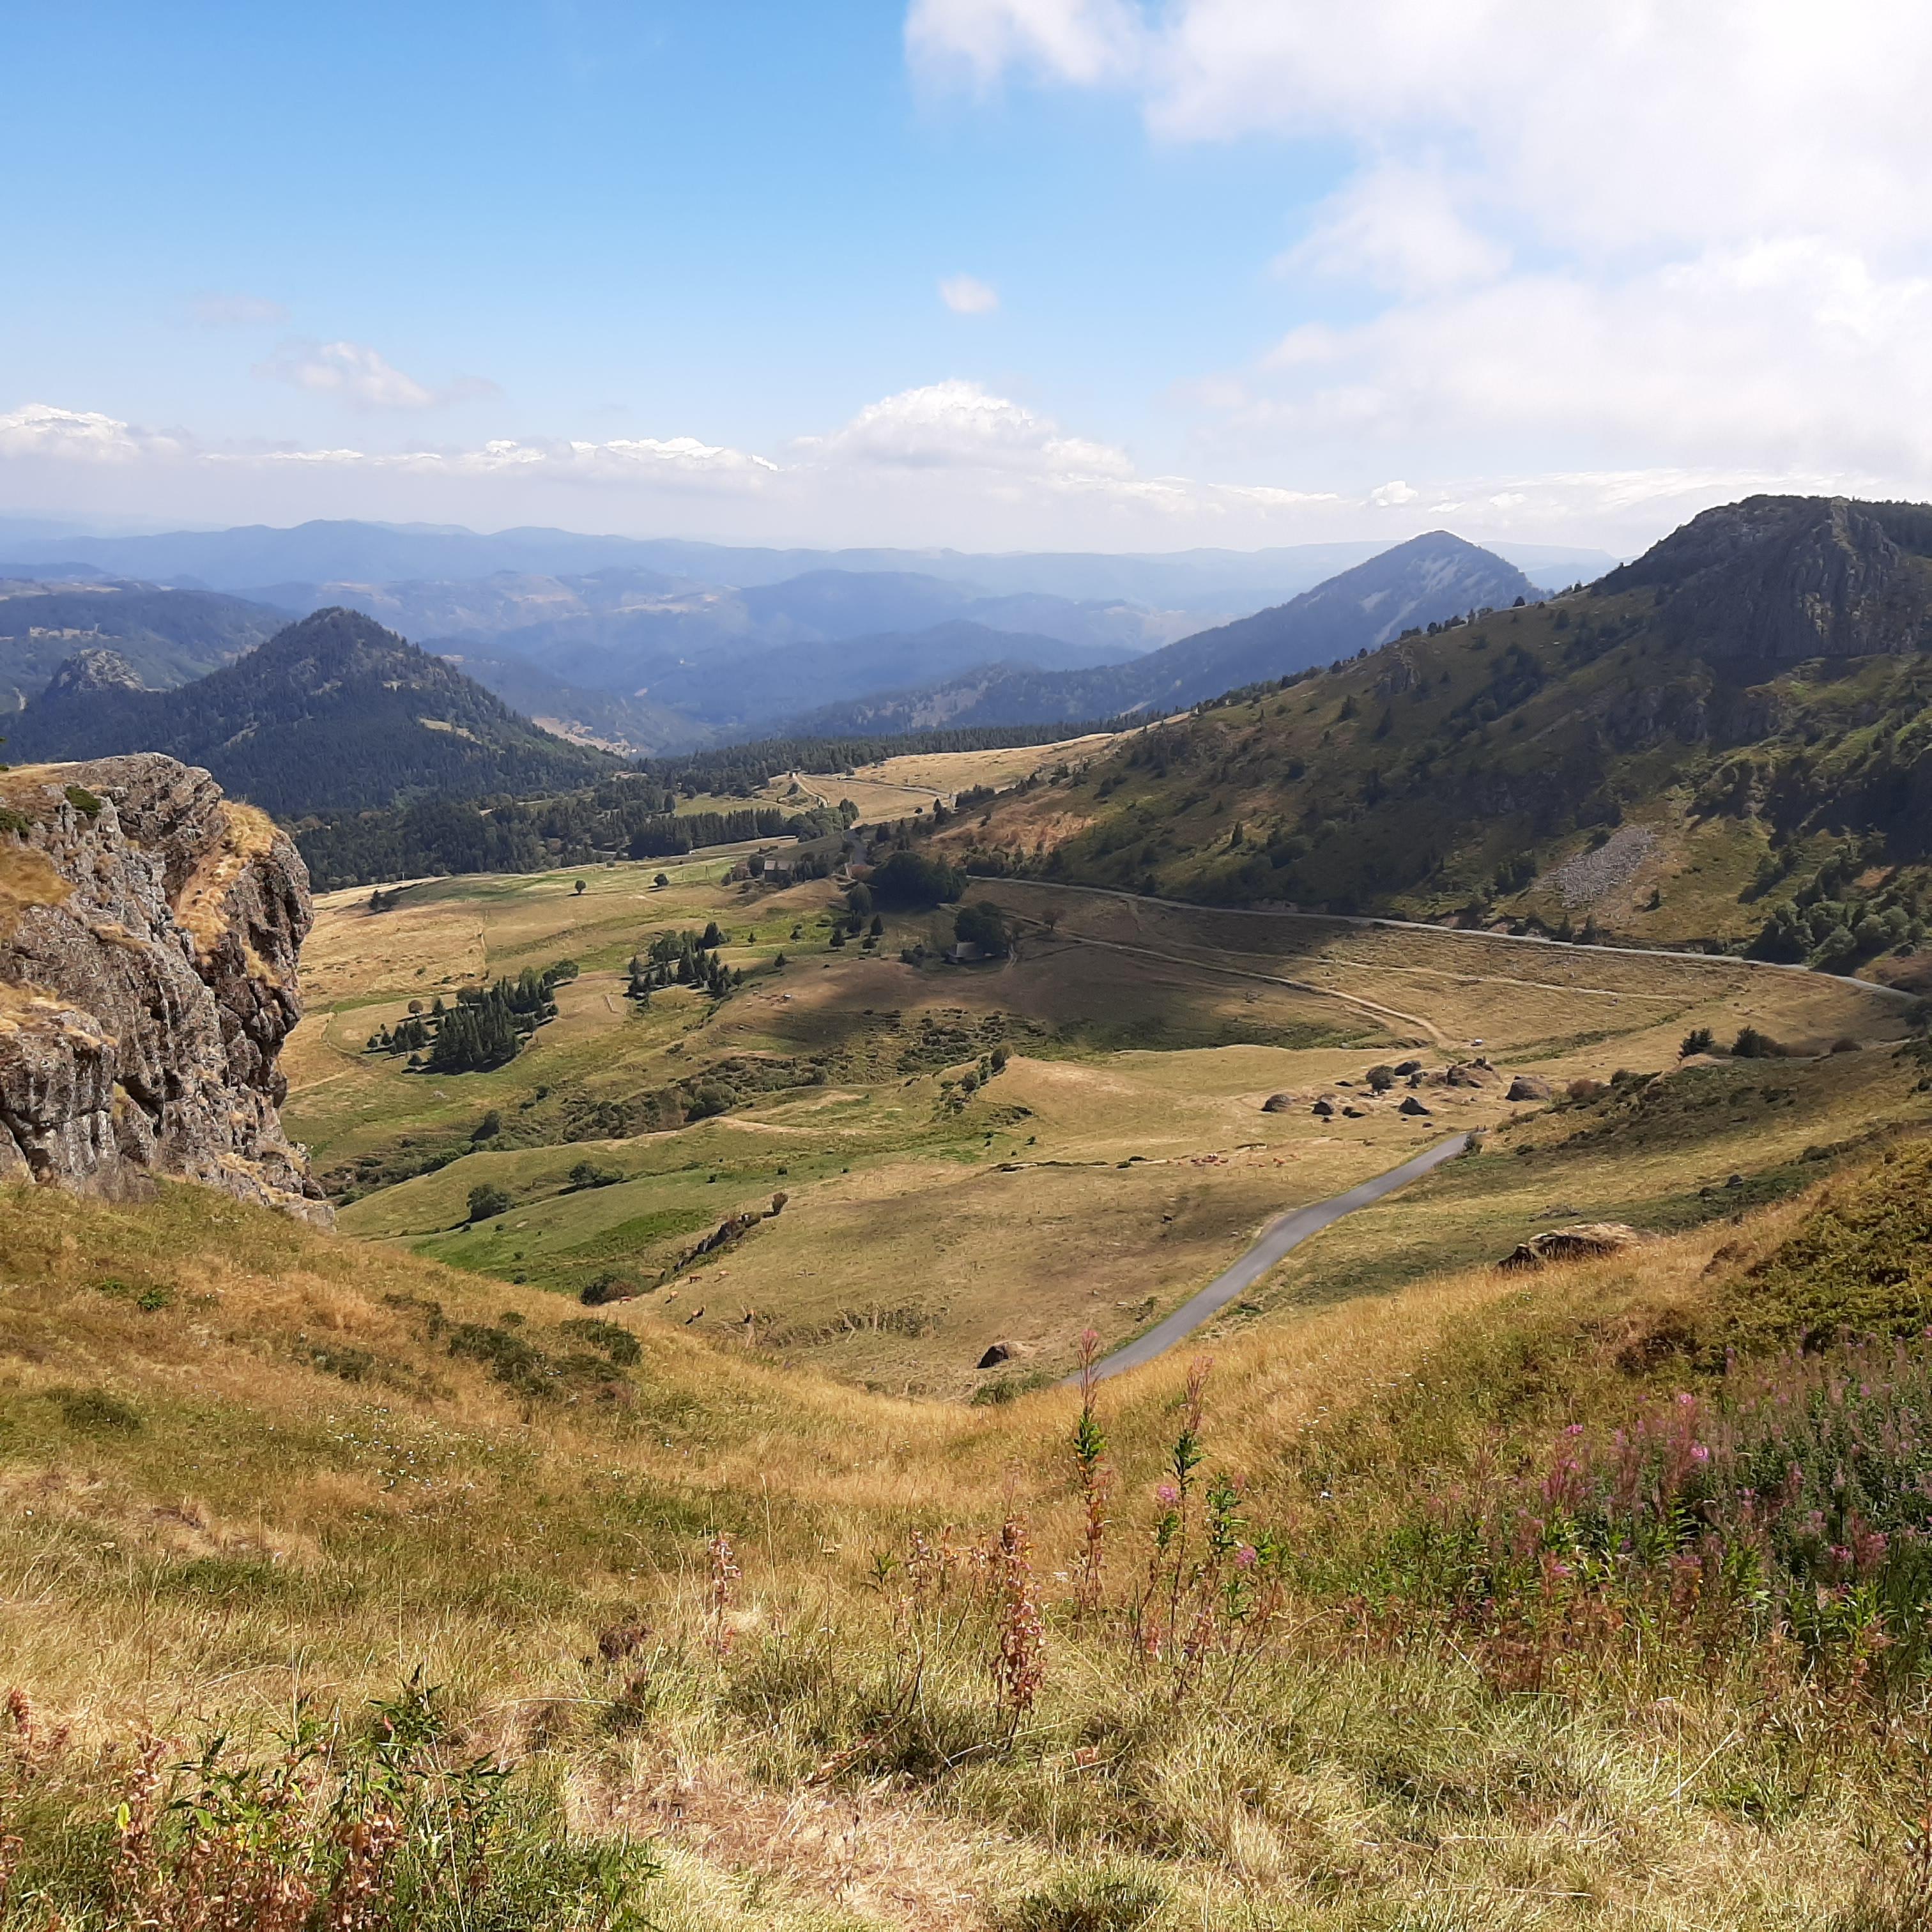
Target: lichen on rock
150 930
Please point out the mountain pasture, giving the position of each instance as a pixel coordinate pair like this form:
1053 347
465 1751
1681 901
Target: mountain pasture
1124 1136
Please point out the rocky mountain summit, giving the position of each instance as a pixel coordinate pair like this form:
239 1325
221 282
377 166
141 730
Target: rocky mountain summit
99 670
149 934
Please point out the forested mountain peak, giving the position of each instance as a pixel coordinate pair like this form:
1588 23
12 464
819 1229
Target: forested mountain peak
333 646
332 712
1425 580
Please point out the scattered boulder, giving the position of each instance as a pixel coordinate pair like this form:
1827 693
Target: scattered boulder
1735 1181
1472 1073
1585 1242
1277 1103
1528 1087
1000 1351
1355 1113
1408 1067
1410 1104
1323 1109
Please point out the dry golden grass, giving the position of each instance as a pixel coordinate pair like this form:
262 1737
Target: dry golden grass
891 788
264 1529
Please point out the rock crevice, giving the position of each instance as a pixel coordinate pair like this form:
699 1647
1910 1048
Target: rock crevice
150 931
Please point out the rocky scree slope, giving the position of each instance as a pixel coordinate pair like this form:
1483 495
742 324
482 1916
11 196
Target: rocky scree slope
149 934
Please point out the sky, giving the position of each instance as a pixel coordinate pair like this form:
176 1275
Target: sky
994 274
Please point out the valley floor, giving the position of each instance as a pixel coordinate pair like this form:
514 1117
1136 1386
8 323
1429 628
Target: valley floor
1122 1156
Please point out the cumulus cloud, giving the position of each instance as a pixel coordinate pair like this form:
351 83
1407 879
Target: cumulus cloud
216 309
959 425
364 378
39 430
1694 237
967 295
951 462
943 462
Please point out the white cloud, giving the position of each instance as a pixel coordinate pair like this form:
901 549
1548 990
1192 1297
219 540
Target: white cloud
952 462
363 379
967 295
1080 40
681 459
959 425
1396 227
39 430
215 310
1574 241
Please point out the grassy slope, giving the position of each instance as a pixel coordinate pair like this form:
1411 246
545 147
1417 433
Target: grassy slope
242 1464
1414 780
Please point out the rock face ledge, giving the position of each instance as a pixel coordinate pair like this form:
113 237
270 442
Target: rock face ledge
149 934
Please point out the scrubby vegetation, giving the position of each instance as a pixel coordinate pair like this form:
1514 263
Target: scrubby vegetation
1509 1593
1775 808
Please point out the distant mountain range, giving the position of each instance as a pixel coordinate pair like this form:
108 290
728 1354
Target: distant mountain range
167 636
1423 581
646 647
1204 584
332 713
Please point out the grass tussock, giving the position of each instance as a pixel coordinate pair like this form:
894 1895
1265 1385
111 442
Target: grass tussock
1532 1601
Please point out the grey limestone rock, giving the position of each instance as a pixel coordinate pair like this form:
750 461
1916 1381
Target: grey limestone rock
150 930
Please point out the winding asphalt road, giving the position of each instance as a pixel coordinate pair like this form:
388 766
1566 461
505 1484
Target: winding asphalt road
1288 1231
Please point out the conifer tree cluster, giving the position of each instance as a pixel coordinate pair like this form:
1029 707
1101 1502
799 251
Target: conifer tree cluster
485 1028
684 959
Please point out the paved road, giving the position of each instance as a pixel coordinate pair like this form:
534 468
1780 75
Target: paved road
1288 1231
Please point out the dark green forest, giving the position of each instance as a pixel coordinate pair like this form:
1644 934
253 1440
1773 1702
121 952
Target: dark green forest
332 714
626 816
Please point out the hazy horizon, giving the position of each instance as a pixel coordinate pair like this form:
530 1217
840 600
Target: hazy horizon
985 274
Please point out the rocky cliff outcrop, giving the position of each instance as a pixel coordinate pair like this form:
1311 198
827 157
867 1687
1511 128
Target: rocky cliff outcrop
1785 578
149 933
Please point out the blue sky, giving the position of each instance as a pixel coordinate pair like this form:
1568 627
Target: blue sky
1252 274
